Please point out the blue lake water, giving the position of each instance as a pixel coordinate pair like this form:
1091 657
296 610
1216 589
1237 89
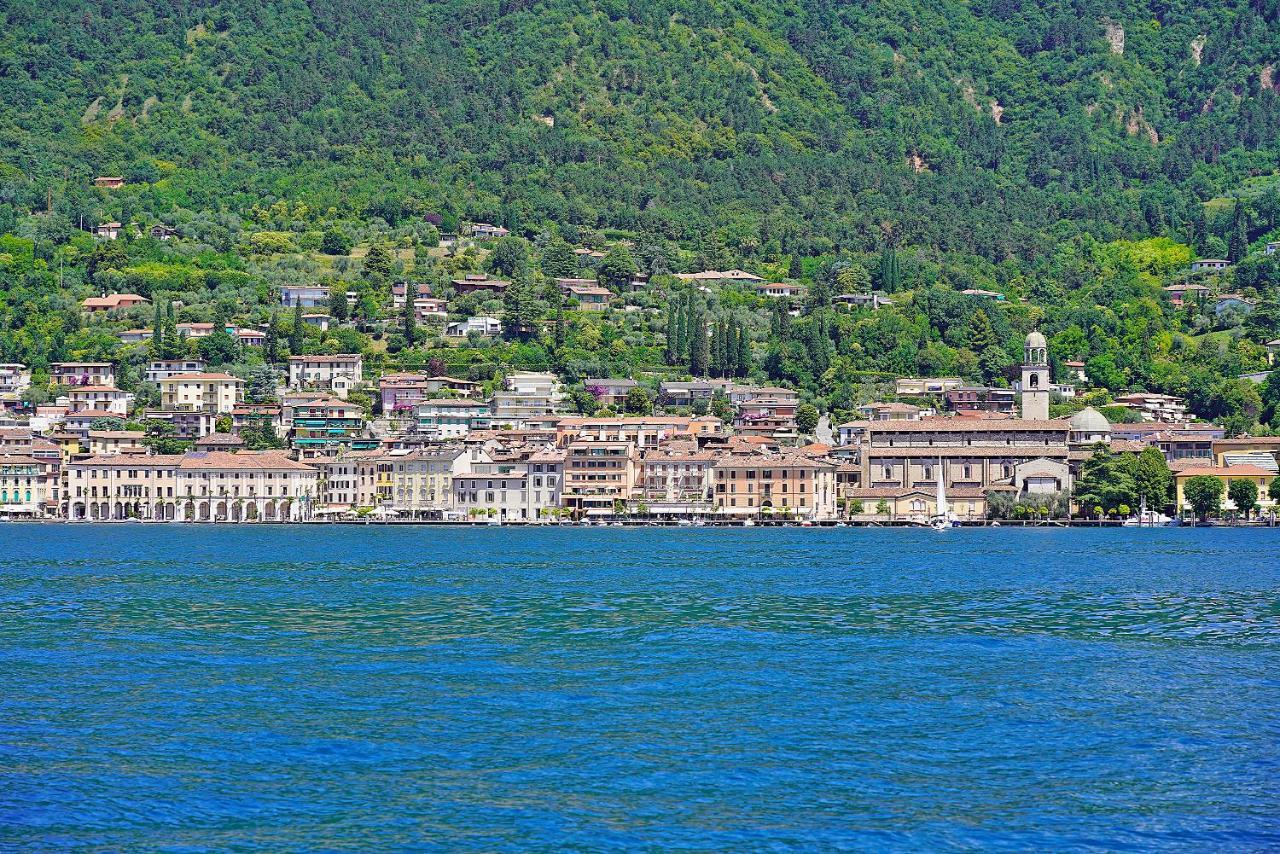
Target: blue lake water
267 688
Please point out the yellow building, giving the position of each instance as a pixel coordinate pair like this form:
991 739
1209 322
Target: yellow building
1227 474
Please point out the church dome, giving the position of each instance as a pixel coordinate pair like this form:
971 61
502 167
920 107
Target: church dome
1036 340
1090 421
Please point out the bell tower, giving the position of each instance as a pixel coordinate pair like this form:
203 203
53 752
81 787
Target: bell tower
1035 379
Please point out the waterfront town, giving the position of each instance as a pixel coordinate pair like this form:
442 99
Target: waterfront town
441 448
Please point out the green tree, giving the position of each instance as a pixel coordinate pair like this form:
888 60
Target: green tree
157 330
510 256
639 401
1153 478
409 318
1273 490
379 261
1243 492
271 344
219 348
559 260
806 418
699 346
888 274
335 242
1238 238
616 269
1203 493
295 331
338 307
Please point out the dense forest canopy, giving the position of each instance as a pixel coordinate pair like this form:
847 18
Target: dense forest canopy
994 128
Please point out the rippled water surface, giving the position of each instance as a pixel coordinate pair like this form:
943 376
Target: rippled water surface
267 688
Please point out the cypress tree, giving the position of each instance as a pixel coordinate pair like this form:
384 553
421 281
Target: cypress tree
699 347
743 366
271 345
157 330
889 274
295 334
173 344
796 269
410 318
717 360
673 335
1238 242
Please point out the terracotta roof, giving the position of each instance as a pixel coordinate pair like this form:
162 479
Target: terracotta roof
20 460
331 358
200 376
227 460
1226 471
1243 442
132 461
935 425
80 388
881 451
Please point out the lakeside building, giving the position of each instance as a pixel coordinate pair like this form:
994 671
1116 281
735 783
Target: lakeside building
757 484
925 386
305 296
186 423
105 443
15 379
509 491
1155 407
678 480
1261 478
609 391
28 487
598 475
401 393
642 431
199 486
483 325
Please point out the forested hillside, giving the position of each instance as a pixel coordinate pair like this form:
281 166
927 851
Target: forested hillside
990 128
1070 157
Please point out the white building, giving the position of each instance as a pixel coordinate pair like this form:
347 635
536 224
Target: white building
100 398
322 370
208 392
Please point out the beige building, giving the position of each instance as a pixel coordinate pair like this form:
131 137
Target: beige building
764 484
214 486
897 460
205 392
678 481
27 486
597 474
648 431
421 481
103 443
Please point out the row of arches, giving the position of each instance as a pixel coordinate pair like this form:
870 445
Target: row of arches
189 510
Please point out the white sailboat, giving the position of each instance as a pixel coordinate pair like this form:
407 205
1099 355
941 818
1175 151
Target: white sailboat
943 518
